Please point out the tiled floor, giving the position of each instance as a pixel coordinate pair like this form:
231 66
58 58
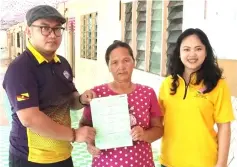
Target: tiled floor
4 130
80 156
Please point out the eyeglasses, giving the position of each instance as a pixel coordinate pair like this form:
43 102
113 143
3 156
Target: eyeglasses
46 30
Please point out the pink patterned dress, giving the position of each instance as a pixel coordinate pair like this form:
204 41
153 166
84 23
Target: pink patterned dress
143 105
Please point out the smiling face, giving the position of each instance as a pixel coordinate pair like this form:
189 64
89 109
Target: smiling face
121 64
192 53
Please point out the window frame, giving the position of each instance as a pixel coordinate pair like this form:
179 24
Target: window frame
133 45
84 33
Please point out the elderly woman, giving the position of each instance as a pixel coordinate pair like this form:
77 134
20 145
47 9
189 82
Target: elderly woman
144 111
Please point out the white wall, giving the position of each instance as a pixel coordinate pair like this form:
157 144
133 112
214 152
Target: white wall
3 44
220 23
233 144
3 37
62 51
193 13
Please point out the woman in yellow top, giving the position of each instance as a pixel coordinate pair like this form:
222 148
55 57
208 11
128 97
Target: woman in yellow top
195 97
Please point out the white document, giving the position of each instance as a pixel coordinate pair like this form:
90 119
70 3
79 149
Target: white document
110 117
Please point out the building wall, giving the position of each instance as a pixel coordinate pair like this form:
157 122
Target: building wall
3 44
93 72
218 21
3 41
233 142
230 74
109 29
12 32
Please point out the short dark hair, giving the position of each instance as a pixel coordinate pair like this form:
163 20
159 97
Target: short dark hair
117 44
209 73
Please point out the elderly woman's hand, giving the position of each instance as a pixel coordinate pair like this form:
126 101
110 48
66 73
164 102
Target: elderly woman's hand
94 151
138 133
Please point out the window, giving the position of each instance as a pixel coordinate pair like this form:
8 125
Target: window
175 22
89 36
128 23
18 40
141 35
142 29
156 37
151 28
175 19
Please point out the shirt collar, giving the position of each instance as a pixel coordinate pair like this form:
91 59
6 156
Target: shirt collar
39 57
193 79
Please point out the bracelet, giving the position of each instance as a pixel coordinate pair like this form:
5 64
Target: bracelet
80 101
73 135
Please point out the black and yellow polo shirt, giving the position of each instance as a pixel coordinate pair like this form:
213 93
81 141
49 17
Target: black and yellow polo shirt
32 81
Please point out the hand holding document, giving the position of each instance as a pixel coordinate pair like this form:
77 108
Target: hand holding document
110 116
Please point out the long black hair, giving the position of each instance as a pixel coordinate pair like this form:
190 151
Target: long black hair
209 73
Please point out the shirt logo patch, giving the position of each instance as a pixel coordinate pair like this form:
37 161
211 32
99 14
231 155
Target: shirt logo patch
200 94
200 91
66 74
23 97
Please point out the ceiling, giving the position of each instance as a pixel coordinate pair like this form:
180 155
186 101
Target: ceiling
13 11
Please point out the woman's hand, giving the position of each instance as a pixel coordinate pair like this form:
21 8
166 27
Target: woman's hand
138 133
94 151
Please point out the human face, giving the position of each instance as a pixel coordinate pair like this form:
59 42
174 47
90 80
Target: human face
43 41
121 64
192 53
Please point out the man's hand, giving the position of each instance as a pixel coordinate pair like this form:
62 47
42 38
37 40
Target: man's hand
85 134
94 151
86 97
137 133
